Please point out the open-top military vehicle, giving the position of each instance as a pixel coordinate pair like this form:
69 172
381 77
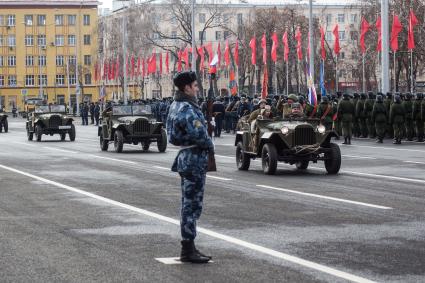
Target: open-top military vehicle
30 104
131 124
49 120
291 140
4 125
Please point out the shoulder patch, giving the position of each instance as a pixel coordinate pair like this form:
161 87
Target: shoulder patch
197 124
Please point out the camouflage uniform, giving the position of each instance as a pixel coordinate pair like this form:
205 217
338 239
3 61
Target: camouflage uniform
379 117
356 125
361 115
325 113
408 106
186 128
397 119
417 117
368 107
388 102
345 115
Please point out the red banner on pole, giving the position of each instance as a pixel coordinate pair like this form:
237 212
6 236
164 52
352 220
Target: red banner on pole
337 48
167 63
322 43
264 47
413 21
299 44
274 47
253 46
396 29
363 30
227 54
285 46
379 28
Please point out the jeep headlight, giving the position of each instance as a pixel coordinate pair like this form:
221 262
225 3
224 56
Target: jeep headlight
128 122
321 129
285 130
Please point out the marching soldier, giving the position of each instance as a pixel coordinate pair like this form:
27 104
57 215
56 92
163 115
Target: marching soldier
408 107
325 113
356 125
361 115
379 117
346 114
417 117
397 119
388 102
368 107
186 128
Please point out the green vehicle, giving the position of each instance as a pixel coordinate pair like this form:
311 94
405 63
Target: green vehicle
296 141
131 124
49 120
4 125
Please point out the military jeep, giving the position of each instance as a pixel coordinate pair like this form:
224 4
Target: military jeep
130 124
4 125
49 120
291 140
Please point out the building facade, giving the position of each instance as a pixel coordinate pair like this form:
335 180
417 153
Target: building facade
47 47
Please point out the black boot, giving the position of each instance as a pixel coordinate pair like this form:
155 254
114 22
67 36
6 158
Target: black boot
349 141
190 254
345 140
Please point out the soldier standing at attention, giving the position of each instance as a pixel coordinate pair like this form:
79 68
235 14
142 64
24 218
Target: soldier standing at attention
388 102
380 118
397 119
417 117
325 113
368 107
408 107
346 114
356 126
186 128
361 115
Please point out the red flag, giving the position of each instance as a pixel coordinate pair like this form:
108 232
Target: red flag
152 64
264 47
274 47
364 29
265 90
219 55
299 44
396 29
96 72
413 21
322 43
110 70
179 62
185 57
236 54
379 28
133 66
253 46
285 46
160 63
227 54
143 67
209 49
202 57
167 63
337 48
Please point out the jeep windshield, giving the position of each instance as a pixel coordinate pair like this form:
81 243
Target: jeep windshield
122 110
142 110
57 108
42 109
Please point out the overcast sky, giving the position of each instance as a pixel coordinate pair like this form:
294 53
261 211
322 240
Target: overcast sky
106 3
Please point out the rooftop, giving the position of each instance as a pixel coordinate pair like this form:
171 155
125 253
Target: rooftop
56 3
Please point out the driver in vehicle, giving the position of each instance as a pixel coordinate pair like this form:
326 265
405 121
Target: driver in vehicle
264 114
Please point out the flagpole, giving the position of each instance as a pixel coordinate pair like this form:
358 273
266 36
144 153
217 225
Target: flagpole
299 77
256 79
364 75
336 73
411 71
287 78
275 73
395 86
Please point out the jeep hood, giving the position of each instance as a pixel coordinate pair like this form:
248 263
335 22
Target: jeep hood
131 118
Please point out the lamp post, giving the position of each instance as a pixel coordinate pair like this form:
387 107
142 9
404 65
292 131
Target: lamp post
193 37
311 40
385 66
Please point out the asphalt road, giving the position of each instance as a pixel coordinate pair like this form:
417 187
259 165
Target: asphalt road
71 213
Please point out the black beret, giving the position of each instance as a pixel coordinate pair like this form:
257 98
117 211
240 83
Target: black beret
184 78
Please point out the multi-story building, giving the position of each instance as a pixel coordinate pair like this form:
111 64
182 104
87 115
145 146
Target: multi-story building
41 44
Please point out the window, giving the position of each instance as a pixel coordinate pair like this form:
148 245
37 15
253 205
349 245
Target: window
1 40
341 18
329 18
41 20
28 19
329 36
60 99
342 73
72 60
240 19
87 79
202 35
226 18
173 34
42 61
11 61
202 18
59 60
87 60
218 35
59 20
60 79
1 20
59 40
87 39
353 18
72 79
42 80
29 80
71 40
226 34
1 80
41 40
86 20
217 18
72 19
11 40
29 60
1 61
11 20
342 35
11 80
155 35
29 40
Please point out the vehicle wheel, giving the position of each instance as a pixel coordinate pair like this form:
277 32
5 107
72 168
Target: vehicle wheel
63 136
145 145
269 159
162 142
333 159
242 159
302 165
104 144
30 135
72 133
6 126
38 132
118 141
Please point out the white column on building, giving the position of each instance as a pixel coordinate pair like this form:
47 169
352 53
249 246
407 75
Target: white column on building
385 66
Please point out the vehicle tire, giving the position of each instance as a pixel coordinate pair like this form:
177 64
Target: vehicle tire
118 141
104 144
269 159
302 165
63 136
242 159
72 133
162 142
333 159
145 145
30 135
6 126
38 132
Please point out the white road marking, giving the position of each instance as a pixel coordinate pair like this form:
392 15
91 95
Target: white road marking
414 162
358 157
229 239
389 148
24 143
208 176
162 168
224 156
112 159
172 260
325 197
419 181
58 149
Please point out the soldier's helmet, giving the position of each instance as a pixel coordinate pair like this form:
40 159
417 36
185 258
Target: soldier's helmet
363 95
389 95
370 95
347 95
325 99
419 96
356 95
379 98
408 96
301 99
293 97
397 98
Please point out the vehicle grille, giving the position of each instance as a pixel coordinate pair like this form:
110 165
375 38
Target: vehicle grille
141 126
55 121
304 135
